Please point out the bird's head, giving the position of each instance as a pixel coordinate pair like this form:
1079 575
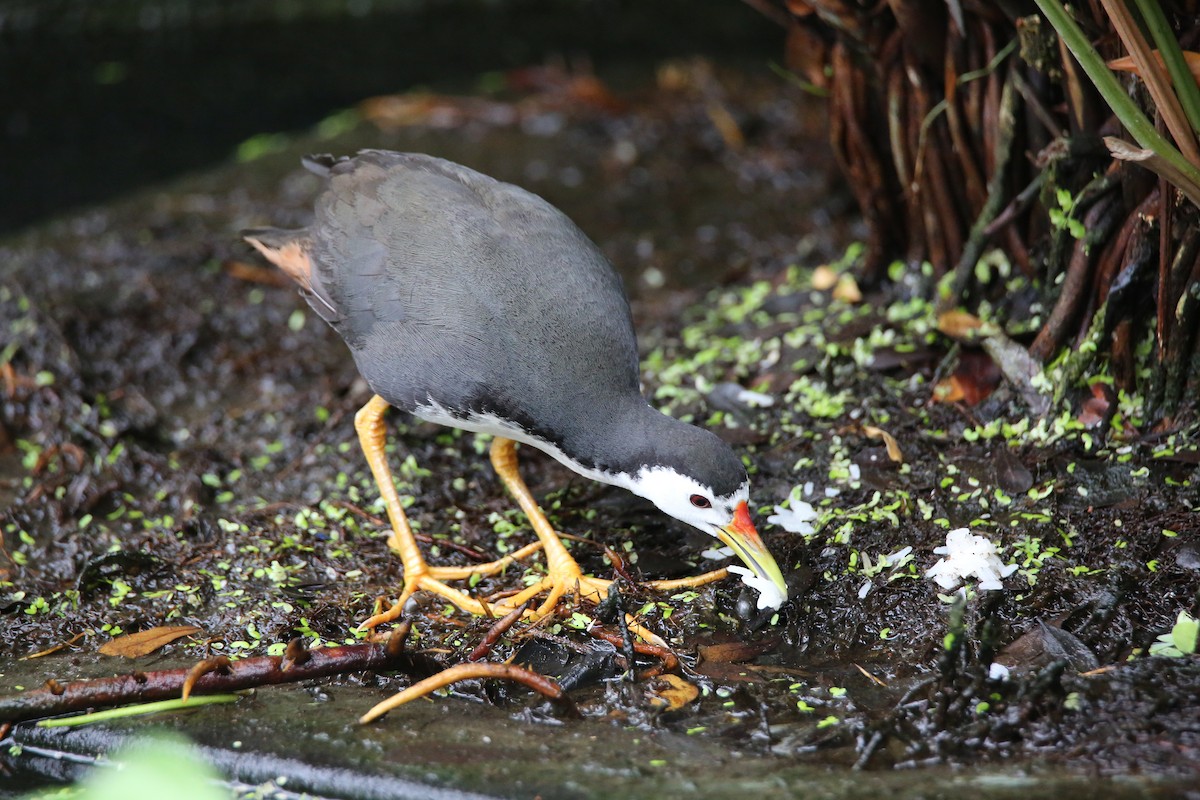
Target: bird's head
711 491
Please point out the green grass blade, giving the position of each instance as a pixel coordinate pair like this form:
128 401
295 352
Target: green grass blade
1168 46
1114 94
138 710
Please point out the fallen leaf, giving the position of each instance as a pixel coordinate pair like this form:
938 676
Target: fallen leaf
1156 163
847 290
724 672
792 673
1045 643
824 278
735 651
870 677
1009 473
974 379
889 441
1099 670
393 112
671 692
590 92
889 358
1093 410
1127 64
133 645
1018 368
54 648
958 324
948 390
726 125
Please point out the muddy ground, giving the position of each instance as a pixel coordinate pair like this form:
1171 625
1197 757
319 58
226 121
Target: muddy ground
177 447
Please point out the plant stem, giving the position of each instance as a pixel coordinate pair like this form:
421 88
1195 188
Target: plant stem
1168 47
138 710
1114 94
1155 77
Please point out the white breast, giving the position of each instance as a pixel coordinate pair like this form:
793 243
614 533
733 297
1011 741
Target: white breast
435 412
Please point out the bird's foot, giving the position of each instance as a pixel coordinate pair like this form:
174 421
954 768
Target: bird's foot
422 577
569 581
692 582
486 570
564 582
564 579
427 582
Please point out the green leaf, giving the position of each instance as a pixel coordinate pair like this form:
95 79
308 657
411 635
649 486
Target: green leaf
1183 635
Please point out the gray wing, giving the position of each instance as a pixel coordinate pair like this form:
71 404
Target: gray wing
471 292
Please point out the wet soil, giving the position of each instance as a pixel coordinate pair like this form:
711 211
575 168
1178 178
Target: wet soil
177 447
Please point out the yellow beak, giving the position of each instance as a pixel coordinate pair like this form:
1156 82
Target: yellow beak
741 536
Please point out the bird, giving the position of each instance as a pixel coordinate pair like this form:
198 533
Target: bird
473 303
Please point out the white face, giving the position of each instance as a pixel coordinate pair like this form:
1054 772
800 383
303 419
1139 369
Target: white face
686 499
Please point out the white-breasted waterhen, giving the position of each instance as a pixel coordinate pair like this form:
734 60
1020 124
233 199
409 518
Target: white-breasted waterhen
476 304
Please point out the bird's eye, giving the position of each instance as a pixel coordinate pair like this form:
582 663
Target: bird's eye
700 501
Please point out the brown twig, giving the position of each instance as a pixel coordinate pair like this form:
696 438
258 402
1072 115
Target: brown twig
1154 75
1123 356
144 687
547 687
1174 281
1180 353
218 664
959 135
942 183
669 660
928 173
1018 205
995 199
52 648
618 565
1035 105
1137 226
1098 224
496 631
859 159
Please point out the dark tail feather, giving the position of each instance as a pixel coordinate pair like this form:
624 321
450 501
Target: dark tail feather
289 250
322 163
273 238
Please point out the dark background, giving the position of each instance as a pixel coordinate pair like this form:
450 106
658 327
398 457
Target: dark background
100 98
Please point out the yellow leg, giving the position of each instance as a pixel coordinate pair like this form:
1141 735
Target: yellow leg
563 575
689 583
418 575
487 569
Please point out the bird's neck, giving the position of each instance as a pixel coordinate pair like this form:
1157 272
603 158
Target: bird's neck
619 440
